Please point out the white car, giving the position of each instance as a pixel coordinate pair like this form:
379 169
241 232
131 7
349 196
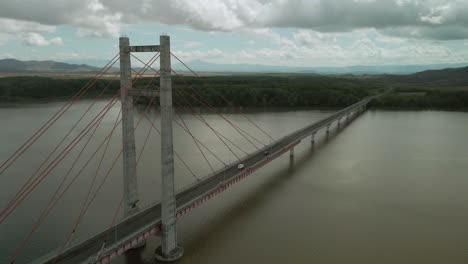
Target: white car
240 166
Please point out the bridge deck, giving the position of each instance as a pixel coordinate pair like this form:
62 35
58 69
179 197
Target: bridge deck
116 240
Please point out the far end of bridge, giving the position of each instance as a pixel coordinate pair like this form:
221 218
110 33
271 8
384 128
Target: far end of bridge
139 224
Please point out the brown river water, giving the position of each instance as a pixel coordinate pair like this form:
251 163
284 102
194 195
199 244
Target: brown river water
389 188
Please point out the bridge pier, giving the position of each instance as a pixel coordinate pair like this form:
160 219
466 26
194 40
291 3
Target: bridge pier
169 250
328 130
291 153
339 124
128 131
312 138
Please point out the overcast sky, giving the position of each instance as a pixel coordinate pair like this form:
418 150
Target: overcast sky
274 32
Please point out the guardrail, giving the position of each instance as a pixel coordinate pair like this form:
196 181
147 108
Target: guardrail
101 248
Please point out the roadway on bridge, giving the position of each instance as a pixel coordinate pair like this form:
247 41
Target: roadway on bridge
118 239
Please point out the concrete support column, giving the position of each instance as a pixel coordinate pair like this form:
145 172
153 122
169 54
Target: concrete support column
169 250
312 138
128 134
291 153
347 118
339 124
328 130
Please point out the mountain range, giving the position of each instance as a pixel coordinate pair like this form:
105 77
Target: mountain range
17 66
202 66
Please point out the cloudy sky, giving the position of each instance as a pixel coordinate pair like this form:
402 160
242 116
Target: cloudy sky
274 32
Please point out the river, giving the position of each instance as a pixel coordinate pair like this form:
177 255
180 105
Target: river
388 188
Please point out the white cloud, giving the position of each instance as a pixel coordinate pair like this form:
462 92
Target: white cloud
13 26
100 26
376 31
95 6
56 41
212 54
29 32
313 38
269 34
431 19
427 17
37 40
92 17
437 15
309 48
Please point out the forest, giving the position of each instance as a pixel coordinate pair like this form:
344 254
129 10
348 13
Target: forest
260 90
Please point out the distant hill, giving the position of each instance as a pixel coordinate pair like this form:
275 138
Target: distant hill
203 66
17 66
453 77
82 66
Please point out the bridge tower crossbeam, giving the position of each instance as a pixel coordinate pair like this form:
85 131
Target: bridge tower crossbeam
169 250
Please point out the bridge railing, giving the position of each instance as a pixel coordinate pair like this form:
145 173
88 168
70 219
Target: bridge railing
308 130
193 192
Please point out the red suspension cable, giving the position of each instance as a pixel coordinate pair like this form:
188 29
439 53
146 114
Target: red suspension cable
196 143
31 140
46 209
16 196
203 120
242 132
224 99
20 198
104 179
45 213
12 206
176 153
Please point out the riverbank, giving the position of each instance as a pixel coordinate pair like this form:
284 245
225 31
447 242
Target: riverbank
431 99
217 91
255 91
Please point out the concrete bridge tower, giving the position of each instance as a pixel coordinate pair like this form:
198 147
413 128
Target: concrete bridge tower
169 250
128 132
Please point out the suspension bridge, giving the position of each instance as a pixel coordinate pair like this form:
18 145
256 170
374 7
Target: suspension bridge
159 219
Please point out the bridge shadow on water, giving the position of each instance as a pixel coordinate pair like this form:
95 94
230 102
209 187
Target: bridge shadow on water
262 191
239 208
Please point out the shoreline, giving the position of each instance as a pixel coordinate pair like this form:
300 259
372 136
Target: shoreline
31 101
